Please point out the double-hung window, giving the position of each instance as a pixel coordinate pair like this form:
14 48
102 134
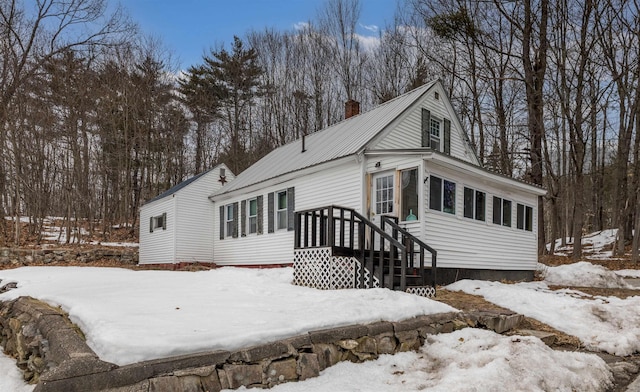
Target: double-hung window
442 195
434 130
281 210
474 204
229 223
501 211
252 215
524 217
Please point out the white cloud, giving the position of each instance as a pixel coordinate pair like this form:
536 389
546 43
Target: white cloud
369 43
300 25
373 28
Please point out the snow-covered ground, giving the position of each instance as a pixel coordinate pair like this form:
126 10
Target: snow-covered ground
607 324
467 360
583 274
592 245
10 376
130 316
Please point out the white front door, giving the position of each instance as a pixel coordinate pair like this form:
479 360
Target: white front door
383 196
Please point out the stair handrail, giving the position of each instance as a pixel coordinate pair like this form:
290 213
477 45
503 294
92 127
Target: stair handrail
393 222
361 220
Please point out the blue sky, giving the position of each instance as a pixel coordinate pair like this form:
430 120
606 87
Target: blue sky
189 28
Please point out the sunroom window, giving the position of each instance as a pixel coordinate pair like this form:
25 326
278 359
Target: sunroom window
474 204
442 195
501 211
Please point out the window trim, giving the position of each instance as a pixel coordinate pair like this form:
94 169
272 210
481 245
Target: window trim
228 219
416 213
438 139
158 222
474 206
393 191
441 206
502 202
278 210
524 217
249 216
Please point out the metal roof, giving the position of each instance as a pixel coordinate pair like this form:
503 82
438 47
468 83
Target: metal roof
183 184
345 138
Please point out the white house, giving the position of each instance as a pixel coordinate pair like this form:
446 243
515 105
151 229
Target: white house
177 225
408 158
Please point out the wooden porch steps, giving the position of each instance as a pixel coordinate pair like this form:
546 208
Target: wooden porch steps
404 264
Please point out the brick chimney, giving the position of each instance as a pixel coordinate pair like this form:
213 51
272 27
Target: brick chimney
351 108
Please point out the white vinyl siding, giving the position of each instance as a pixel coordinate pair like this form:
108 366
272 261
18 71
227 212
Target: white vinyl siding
465 243
190 221
340 186
406 133
157 246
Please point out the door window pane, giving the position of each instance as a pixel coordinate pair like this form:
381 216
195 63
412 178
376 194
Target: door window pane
384 195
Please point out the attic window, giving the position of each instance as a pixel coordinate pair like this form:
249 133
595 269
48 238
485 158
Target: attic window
436 95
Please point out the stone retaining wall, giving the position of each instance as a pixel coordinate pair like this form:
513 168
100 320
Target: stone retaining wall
53 353
15 257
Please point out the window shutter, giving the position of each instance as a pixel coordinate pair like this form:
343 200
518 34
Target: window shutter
260 214
447 136
291 203
222 222
270 212
151 225
426 134
235 220
243 218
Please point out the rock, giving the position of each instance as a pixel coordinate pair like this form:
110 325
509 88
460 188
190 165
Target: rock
281 371
547 338
348 344
499 323
308 366
239 375
386 344
328 354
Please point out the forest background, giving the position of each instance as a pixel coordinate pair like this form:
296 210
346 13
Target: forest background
95 118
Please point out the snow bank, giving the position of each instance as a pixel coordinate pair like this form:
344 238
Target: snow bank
582 274
10 376
467 360
628 273
607 324
130 316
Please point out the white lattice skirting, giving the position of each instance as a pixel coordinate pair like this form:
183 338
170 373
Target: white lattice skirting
423 291
318 268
